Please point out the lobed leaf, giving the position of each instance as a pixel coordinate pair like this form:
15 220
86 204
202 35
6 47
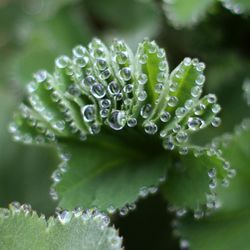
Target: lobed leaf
114 113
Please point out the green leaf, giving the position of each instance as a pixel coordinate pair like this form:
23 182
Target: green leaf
231 222
21 228
235 148
108 174
227 231
194 180
186 13
110 95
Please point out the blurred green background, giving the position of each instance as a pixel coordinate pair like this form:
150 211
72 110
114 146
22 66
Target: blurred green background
34 32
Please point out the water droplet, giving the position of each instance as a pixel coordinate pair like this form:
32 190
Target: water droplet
104 113
132 122
128 88
62 62
81 61
125 73
98 90
168 143
181 212
183 150
165 116
60 125
53 194
173 100
142 95
142 79
200 80
117 120
200 66
196 91
89 80
95 129
231 173
225 183
182 136
150 128
163 65
41 76
64 217
158 87
143 192
180 112
195 123
216 122
105 103
161 77
184 244
121 57
105 74
199 110
226 165
211 98
124 211
143 58
189 104
101 64
187 61
113 88
212 184
212 173
216 108
146 110
79 51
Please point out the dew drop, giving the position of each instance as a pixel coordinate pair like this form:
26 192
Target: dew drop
187 61
196 91
195 123
98 90
117 120
132 122
146 110
173 100
182 136
142 95
113 88
165 116
64 217
200 80
212 173
184 244
142 79
125 73
150 128
216 122
62 62
216 108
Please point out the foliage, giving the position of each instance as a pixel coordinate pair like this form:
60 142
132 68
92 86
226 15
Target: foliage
129 125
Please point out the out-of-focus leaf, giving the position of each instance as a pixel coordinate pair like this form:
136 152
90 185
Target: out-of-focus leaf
227 231
24 172
185 13
48 39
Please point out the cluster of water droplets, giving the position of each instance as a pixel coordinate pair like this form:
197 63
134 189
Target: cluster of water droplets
100 86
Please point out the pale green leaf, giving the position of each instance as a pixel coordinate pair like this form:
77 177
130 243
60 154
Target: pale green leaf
22 229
